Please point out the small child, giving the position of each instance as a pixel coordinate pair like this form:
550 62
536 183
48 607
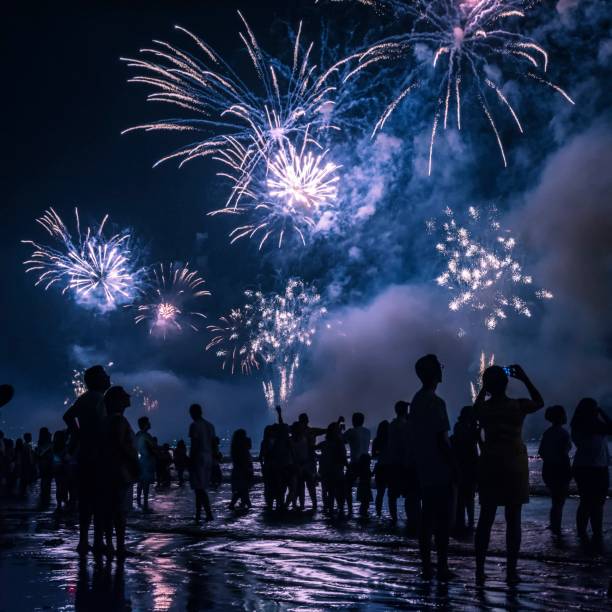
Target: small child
556 471
242 469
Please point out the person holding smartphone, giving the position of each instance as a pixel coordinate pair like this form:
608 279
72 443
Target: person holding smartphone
503 471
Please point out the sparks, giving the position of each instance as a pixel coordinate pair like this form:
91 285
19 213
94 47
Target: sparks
98 272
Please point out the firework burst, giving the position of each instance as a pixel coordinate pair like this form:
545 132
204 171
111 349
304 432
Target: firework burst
233 338
98 272
167 305
481 272
483 364
466 40
269 135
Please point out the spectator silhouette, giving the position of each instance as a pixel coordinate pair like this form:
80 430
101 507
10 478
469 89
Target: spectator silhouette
556 470
380 452
242 469
147 452
60 469
590 430
202 435
435 466
216 476
331 468
120 461
180 461
464 443
358 439
84 419
310 468
6 394
503 464
402 469
44 461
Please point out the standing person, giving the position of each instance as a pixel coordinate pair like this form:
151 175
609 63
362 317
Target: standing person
202 435
402 469
590 430
120 460
556 469
503 464
311 433
435 466
28 461
464 443
147 453
180 461
331 467
380 452
84 419
165 463
44 460
358 439
216 475
242 469
60 469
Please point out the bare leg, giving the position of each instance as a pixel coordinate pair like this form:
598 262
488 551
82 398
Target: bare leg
483 535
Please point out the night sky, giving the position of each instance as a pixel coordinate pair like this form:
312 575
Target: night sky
66 101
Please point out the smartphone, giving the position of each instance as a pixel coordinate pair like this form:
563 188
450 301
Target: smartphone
509 370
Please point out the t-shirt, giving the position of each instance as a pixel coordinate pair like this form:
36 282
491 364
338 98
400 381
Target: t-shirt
429 419
358 439
555 445
399 445
202 434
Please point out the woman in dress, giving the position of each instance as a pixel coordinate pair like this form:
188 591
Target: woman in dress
503 464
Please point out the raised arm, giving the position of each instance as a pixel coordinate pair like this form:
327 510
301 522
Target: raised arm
536 398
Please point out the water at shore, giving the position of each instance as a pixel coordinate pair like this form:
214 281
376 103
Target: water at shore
303 561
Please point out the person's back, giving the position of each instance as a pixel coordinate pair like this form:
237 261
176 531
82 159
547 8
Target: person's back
358 439
555 445
429 420
399 443
202 434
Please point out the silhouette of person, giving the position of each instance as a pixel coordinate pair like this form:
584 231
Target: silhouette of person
242 469
165 463
464 443
147 452
216 475
265 448
44 460
590 430
380 452
556 469
28 464
120 461
358 439
202 435
503 465
84 419
60 469
310 469
331 468
435 466
6 394
180 461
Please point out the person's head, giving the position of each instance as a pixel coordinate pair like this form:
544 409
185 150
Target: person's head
556 415
19 444
96 379
44 436
383 430
303 419
333 431
429 370
358 419
495 380
116 399
586 411
401 409
467 414
238 439
59 439
195 411
181 444
27 438
166 447
144 424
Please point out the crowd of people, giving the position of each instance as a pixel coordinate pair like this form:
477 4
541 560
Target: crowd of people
98 459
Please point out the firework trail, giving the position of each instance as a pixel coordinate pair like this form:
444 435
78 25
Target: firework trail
484 363
270 332
466 38
100 273
480 270
167 304
288 322
233 337
143 400
267 141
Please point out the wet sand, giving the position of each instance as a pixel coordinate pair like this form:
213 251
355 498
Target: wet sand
300 562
